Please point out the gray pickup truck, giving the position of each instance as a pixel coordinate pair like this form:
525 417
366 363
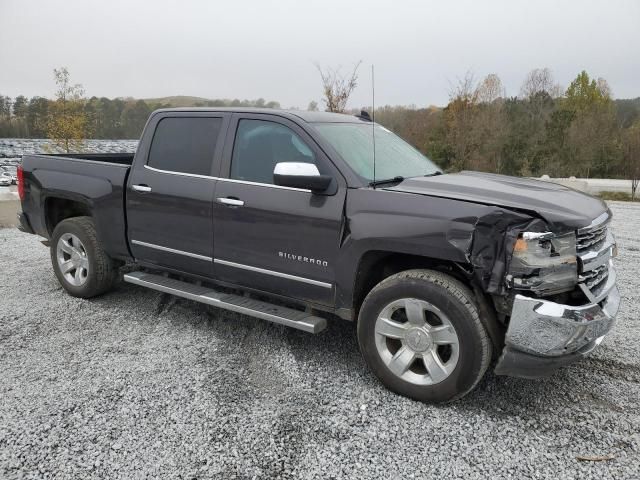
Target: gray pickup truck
283 216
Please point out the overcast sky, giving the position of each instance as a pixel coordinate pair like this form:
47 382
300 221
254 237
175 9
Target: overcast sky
263 48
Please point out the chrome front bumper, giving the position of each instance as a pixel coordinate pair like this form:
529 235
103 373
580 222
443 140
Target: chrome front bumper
543 336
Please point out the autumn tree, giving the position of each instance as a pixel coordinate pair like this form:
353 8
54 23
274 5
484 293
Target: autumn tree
490 125
67 124
460 116
540 81
337 87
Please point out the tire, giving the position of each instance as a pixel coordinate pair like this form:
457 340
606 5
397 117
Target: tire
420 333
76 249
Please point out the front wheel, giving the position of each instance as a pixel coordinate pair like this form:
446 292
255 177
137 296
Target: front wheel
82 266
420 333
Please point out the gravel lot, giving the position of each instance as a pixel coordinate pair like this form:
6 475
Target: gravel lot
140 384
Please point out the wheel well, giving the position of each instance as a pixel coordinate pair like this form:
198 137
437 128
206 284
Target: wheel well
377 265
58 209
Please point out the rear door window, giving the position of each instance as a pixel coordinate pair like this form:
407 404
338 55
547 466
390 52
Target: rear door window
185 145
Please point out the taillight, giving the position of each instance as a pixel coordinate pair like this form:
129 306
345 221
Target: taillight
20 183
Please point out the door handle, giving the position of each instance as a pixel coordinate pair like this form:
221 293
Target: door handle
232 202
141 188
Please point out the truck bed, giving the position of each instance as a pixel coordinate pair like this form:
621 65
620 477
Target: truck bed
96 181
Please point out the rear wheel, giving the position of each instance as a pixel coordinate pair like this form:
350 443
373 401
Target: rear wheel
79 261
420 333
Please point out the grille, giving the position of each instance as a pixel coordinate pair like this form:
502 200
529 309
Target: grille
591 240
590 244
593 278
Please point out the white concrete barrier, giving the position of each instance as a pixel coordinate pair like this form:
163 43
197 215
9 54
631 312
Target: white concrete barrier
593 186
9 207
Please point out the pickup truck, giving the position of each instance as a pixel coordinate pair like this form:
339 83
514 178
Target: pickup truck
300 217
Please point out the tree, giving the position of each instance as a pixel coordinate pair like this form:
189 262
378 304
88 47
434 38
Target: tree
313 106
539 80
337 88
5 106
20 106
134 117
490 89
67 124
591 137
37 115
631 156
585 93
460 116
490 124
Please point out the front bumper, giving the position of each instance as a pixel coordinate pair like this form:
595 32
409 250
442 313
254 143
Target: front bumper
543 335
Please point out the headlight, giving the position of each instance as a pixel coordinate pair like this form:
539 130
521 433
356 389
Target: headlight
544 263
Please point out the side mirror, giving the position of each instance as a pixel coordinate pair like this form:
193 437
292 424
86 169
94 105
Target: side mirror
300 175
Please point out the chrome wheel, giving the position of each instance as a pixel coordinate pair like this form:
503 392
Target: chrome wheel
72 259
416 341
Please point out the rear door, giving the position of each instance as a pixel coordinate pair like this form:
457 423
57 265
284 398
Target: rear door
276 239
170 191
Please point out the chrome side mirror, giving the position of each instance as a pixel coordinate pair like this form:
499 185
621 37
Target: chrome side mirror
300 175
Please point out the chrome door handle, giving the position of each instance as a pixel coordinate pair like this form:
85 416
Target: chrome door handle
233 202
141 188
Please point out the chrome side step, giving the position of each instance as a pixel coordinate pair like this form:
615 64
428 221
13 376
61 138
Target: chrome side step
236 303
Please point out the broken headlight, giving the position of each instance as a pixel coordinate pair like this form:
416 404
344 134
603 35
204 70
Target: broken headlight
544 263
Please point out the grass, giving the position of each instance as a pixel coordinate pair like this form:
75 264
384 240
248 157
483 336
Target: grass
619 196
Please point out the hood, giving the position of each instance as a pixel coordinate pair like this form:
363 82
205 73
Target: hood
562 207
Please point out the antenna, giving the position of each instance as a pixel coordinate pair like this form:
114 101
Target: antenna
373 122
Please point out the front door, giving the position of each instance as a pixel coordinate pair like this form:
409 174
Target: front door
275 239
170 192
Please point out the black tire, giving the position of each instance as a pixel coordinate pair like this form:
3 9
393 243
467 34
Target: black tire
102 270
452 298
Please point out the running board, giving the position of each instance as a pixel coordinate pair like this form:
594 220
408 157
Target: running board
236 303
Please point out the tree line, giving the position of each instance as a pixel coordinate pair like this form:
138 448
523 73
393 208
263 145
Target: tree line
104 118
70 117
577 131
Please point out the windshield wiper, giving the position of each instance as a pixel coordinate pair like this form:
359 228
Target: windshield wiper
433 174
397 179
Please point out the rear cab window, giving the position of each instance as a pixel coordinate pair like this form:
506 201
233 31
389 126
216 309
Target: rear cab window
185 144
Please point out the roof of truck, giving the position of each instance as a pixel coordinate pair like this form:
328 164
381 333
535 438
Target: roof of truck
307 116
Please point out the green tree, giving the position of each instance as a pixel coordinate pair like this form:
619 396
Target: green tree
591 141
37 114
134 117
67 124
585 93
20 106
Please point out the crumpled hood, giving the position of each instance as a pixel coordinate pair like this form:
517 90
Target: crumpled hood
562 207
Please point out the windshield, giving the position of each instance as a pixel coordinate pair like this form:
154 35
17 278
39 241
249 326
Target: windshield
394 156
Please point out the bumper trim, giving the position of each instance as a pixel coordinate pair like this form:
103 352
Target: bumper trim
516 363
543 335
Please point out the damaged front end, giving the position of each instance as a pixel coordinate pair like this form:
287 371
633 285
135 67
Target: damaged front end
561 298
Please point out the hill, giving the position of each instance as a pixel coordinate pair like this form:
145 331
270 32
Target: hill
188 101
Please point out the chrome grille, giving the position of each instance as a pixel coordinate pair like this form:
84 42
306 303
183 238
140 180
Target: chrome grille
595 277
593 245
591 238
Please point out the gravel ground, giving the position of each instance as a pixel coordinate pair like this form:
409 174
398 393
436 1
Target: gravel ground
140 384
